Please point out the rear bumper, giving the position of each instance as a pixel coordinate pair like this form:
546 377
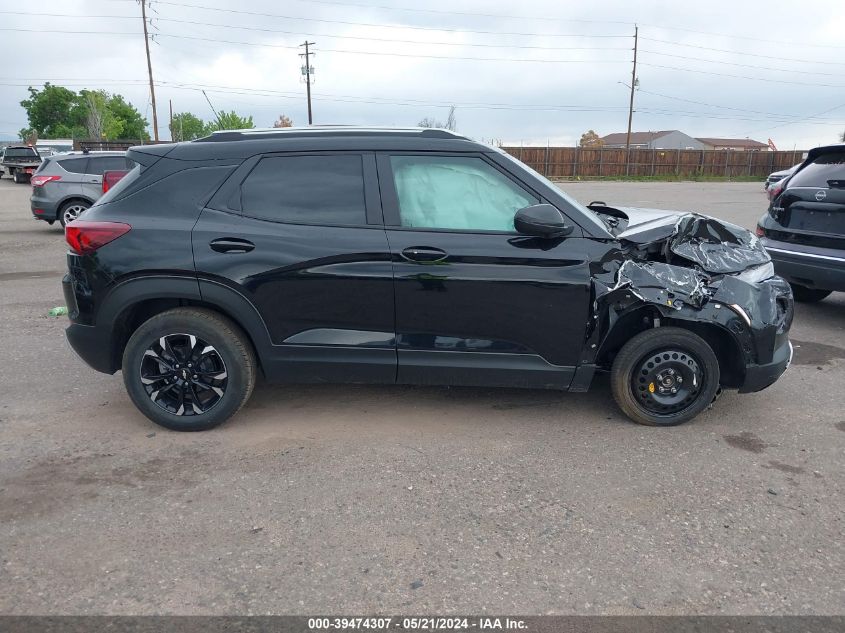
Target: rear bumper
91 343
813 267
43 208
758 377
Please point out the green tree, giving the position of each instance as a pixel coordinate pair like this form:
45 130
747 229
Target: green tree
132 123
54 112
186 127
229 121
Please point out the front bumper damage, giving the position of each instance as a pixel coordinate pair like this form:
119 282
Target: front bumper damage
703 272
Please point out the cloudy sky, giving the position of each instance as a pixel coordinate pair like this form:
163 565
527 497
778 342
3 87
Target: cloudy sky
527 72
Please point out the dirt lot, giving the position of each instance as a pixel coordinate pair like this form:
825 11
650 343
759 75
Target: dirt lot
393 499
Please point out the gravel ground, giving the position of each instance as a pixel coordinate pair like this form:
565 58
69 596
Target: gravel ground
362 499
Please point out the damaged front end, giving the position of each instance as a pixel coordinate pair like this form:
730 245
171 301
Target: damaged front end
711 277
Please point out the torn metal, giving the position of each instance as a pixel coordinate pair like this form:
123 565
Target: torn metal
685 266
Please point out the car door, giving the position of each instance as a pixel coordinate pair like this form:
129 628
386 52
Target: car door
300 236
476 302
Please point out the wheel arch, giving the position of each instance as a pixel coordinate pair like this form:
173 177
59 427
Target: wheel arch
728 350
134 301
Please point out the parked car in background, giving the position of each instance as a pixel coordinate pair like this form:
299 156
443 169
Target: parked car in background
777 176
406 256
804 228
20 161
67 184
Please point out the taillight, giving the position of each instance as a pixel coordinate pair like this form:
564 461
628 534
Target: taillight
759 231
40 181
86 237
111 178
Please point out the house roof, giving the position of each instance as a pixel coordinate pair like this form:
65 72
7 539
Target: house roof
731 142
637 138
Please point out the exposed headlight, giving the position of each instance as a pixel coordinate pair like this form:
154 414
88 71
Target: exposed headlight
758 273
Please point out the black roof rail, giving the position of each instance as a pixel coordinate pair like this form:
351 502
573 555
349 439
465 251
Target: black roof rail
328 131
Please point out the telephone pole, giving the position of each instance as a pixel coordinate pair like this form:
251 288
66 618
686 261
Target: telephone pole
150 68
306 70
631 107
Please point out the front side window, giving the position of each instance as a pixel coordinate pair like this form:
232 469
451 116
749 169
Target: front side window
306 190
456 192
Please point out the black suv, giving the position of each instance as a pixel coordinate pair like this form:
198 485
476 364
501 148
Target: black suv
804 229
406 256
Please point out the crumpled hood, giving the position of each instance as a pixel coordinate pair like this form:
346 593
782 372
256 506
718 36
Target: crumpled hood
717 247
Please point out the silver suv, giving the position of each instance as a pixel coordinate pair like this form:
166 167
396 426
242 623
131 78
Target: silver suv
67 184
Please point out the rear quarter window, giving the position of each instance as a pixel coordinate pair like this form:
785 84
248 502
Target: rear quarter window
816 174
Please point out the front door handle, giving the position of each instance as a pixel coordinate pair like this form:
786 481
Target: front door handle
231 245
426 254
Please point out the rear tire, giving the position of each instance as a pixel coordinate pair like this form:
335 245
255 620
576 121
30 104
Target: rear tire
70 210
664 376
189 369
808 295
16 176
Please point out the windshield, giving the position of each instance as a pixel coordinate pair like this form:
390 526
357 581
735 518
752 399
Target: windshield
588 214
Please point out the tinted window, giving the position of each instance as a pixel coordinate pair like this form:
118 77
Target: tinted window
74 165
99 164
816 174
20 152
457 192
306 190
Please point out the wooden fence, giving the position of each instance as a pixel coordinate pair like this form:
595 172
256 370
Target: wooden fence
584 162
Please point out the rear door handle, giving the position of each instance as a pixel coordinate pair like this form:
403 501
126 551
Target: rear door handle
426 254
231 245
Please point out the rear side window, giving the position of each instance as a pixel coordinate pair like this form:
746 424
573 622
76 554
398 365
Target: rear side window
306 190
816 174
100 164
74 165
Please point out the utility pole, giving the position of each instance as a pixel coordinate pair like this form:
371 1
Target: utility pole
150 69
306 70
171 119
631 107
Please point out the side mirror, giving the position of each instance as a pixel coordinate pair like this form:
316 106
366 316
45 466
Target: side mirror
541 220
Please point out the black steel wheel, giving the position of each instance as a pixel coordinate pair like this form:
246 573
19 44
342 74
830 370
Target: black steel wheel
665 376
189 369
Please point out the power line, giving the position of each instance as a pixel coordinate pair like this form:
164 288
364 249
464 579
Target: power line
378 25
744 53
725 63
777 81
388 54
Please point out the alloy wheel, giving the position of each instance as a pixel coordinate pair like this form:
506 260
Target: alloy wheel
72 212
183 374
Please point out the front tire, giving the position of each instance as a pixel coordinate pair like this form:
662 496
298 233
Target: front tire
664 376
189 369
808 295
